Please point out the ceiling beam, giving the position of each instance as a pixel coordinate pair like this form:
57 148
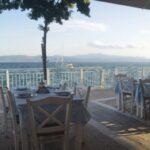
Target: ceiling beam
145 4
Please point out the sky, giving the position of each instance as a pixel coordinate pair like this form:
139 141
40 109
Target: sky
111 29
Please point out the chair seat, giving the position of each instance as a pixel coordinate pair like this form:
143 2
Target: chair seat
146 96
147 99
51 134
51 131
127 92
50 137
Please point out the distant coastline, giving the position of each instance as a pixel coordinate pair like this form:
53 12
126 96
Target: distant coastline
93 58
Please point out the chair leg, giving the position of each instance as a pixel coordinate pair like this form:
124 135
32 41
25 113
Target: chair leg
16 142
118 102
5 126
65 143
42 146
10 147
143 110
123 103
137 110
131 104
35 144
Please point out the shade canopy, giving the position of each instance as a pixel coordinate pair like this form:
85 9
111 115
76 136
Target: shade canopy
145 4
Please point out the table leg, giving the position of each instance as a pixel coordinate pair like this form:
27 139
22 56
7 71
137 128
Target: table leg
137 110
118 102
78 136
142 110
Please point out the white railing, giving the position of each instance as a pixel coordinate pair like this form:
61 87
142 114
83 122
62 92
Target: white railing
93 76
13 78
25 77
80 76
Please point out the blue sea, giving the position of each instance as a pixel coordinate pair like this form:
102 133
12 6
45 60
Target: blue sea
15 65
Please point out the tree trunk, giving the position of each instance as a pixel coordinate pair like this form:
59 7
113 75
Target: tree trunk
44 56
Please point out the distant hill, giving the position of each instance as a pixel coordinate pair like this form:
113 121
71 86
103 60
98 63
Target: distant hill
105 58
78 58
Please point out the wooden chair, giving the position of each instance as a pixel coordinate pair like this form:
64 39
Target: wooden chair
51 128
118 78
127 92
13 116
64 86
4 109
84 93
145 93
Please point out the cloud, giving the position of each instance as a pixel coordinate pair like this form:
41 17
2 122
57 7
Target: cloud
86 25
145 31
82 24
100 45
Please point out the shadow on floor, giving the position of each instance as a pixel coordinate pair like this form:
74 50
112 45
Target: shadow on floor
117 122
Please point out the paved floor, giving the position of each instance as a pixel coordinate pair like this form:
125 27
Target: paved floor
128 131
107 130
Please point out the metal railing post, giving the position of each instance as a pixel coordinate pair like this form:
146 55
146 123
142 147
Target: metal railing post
81 76
7 79
103 79
48 77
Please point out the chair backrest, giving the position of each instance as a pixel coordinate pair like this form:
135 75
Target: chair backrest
64 86
2 101
85 94
143 83
11 101
120 77
49 115
128 85
13 115
12 106
4 110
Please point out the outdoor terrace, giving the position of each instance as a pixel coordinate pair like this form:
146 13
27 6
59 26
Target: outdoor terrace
108 128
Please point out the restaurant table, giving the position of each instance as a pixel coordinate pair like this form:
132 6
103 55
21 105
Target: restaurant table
79 117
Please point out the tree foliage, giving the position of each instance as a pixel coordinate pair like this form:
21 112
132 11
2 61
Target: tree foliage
50 10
